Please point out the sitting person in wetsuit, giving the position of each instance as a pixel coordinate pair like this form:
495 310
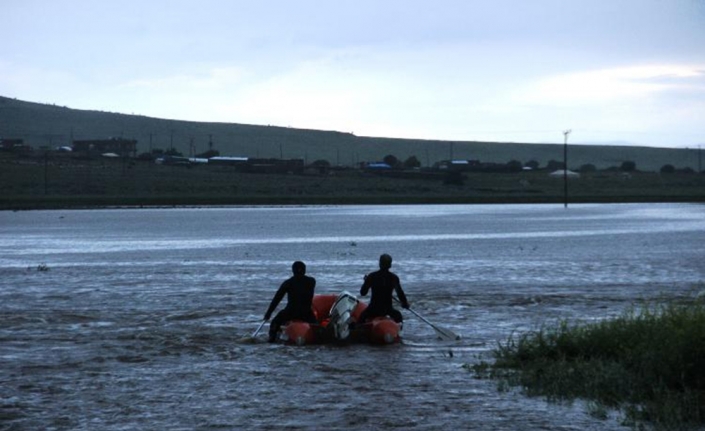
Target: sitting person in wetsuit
383 284
299 296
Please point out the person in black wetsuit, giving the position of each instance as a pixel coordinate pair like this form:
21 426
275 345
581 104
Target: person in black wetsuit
299 295
383 284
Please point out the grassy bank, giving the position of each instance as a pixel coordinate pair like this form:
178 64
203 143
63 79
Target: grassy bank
29 183
648 363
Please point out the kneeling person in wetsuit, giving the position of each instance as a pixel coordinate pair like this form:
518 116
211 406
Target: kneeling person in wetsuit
299 296
383 284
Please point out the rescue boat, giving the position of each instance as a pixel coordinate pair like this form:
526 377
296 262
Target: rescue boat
337 317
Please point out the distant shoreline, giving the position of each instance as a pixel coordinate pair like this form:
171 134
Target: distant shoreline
135 203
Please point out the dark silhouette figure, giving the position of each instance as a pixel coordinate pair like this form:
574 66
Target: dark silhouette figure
299 295
383 284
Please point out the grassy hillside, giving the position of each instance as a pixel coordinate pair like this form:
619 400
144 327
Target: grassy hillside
49 125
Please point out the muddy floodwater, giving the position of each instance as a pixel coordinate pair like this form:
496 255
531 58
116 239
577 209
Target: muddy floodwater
138 319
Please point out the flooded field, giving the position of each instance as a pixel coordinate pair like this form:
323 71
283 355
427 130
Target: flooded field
123 319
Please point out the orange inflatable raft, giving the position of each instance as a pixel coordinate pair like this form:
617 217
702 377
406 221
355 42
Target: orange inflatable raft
338 317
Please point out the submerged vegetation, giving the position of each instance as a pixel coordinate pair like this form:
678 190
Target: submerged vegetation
648 363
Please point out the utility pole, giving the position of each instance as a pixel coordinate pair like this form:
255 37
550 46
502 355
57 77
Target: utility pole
565 166
46 171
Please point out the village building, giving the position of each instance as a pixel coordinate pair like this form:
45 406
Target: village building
258 165
14 146
98 147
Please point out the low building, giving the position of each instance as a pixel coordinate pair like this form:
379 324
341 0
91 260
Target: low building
227 161
263 166
172 160
377 166
458 165
561 173
14 146
275 166
96 147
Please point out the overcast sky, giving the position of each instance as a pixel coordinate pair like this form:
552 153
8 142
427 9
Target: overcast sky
502 70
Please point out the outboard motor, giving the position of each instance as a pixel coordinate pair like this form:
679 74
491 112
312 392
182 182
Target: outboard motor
341 315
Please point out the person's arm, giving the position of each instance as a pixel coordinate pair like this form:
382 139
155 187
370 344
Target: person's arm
401 295
365 285
276 300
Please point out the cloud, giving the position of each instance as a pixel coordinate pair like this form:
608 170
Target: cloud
312 94
215 78
612 85
47 85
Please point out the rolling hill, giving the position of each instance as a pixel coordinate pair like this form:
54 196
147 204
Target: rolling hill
43 125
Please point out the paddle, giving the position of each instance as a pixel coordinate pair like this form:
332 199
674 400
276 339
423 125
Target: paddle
258 329
443 333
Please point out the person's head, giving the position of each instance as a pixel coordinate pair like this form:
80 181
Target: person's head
298 268
385 261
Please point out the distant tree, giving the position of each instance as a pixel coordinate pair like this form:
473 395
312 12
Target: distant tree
173 152
146 156
412 162
321 163
157 151
554 165
514 166
687 170
628 166
588 167
533 164
668 169
391 160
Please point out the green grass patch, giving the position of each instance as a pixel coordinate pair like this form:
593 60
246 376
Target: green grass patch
648 363
64 182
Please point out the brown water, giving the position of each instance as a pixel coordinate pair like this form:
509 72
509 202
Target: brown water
142 318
